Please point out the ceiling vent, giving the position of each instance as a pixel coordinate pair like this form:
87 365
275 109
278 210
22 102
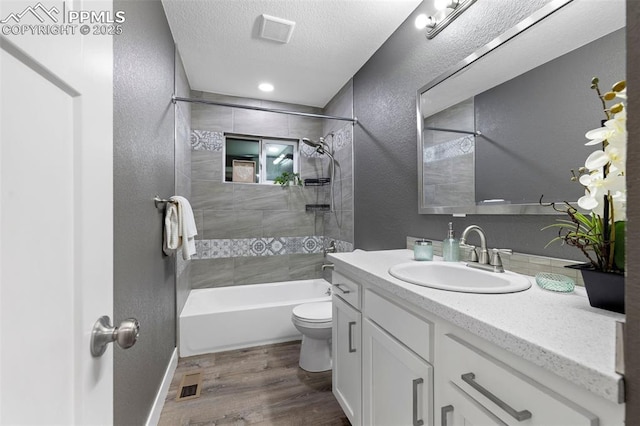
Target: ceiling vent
276 29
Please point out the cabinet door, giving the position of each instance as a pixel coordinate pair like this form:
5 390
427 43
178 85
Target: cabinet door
347 359
462 410
398 384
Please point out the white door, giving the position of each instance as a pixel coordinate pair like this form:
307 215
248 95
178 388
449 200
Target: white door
56 217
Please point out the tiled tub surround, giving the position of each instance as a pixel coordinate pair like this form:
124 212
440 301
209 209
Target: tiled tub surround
522 263
260 233
560 333
182 171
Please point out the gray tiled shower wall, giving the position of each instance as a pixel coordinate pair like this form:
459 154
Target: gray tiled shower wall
182 171
249 233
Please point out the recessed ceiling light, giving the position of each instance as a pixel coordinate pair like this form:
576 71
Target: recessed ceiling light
266 87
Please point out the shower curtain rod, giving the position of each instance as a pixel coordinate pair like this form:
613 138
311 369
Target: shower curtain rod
175 99
466 132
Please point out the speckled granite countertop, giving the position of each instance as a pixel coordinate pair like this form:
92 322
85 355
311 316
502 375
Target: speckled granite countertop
559 332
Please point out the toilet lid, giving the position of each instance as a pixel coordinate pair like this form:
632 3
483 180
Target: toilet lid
313 312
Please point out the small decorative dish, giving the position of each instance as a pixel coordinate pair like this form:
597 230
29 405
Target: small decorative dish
555 282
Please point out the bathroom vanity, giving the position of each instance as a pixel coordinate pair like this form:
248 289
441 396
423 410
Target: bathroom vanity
405 354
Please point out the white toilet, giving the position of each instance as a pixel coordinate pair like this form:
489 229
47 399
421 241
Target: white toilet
314 321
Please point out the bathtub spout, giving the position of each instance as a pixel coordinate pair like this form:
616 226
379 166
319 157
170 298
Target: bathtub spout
328 265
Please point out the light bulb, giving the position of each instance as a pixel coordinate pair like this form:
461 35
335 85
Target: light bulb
422 21
444 4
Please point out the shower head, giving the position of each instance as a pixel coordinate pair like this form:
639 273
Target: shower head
311 143
320 146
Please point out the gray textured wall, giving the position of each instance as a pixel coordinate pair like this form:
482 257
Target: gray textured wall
386 209
144 280
632 296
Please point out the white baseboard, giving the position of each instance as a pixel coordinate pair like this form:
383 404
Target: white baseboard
156 410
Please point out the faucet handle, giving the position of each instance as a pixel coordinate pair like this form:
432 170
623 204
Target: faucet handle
503 251
473 254
496 261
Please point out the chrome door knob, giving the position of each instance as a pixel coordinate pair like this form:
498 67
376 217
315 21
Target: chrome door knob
126 334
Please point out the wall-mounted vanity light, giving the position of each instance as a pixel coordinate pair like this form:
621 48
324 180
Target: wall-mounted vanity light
441 13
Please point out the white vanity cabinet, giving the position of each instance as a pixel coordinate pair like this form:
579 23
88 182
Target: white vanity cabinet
397 382
426 357
347 347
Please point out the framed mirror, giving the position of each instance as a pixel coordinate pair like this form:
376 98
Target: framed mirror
506 126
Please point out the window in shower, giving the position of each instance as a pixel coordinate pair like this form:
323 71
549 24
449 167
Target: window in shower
278 156
254 159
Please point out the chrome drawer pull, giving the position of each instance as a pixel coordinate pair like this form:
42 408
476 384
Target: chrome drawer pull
443 414
518 415
351 348
339 287
416 422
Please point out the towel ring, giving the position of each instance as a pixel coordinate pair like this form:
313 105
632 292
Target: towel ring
161 202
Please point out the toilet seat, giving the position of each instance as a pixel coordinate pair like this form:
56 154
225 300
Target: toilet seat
313 315
317 312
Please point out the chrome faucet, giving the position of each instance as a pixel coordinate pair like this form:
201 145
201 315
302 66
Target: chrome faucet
482 261
484 253
331 248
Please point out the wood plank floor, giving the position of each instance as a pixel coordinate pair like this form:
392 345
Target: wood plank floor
254 386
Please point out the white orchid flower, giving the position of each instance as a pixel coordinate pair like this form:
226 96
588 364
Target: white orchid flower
597 185
596 160
613 128
617 156
614 156
597 136
588 202
620 205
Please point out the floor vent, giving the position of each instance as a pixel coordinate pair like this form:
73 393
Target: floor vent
190 386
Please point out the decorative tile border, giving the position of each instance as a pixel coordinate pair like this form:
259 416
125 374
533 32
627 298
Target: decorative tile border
522 263
454 148
264 246
204 140
343 137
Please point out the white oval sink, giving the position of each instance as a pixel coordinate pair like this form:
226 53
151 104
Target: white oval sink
459 277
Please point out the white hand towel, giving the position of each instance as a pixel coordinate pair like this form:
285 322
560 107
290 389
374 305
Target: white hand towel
186 227
171 236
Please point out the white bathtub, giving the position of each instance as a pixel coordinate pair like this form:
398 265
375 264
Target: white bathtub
225 318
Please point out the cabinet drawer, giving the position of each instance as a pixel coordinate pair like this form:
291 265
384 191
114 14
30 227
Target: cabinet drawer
412 331
508 394
348 290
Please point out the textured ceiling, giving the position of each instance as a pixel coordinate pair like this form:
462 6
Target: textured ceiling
219 44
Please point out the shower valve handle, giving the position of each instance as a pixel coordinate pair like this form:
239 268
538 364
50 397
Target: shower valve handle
103 333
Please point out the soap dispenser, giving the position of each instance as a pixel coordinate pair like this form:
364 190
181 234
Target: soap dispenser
451 246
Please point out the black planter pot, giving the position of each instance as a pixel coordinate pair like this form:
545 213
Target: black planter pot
605 289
